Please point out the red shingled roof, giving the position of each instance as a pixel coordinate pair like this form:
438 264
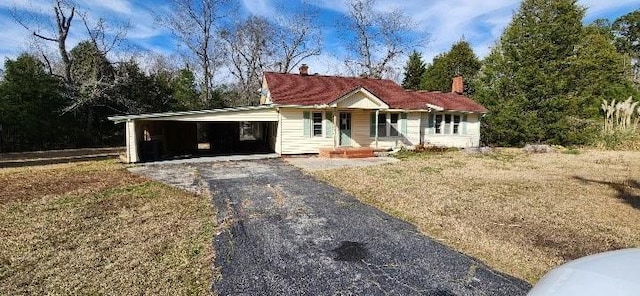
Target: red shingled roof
295 89
446 101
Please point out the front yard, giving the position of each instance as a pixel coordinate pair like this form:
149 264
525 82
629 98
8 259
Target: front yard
94 228
519 213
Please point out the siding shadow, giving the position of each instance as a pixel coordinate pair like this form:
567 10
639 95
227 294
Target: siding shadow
625 189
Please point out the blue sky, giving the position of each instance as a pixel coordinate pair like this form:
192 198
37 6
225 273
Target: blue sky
445 21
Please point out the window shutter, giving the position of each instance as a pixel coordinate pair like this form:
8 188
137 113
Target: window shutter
306 116
403 123
328 116
464 124
431 123
372 125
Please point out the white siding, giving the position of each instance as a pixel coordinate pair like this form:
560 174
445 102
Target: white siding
473 129
360 128
361 120
413 128
293 141
265 95
292 138
359 100
470 139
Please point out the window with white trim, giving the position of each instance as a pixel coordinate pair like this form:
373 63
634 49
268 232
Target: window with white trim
317 124
447 124
456 124
388 124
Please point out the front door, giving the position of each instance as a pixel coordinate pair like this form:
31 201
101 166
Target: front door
345 129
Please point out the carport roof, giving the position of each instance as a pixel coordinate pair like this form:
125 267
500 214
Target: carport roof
164 115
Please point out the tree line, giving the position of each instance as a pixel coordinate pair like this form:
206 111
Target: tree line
61 99
545 79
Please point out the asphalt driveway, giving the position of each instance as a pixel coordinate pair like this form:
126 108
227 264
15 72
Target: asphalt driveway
282 232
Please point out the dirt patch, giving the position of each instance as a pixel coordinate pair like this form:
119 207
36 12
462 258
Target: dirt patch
521 213
39 181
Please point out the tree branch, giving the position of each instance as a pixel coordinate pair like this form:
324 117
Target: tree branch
45 37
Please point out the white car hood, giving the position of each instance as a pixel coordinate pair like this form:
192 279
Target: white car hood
609 273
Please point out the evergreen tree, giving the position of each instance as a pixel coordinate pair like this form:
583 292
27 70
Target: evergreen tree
185 93
141 92
626 30
413 71
163 90
436 74
460 60
598 70
532 81
31 102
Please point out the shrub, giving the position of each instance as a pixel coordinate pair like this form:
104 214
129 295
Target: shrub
619 140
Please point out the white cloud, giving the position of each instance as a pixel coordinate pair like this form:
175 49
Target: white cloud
325 64
13 39
448 22
480 22
595 7
37 6
335 5
118 6
264 8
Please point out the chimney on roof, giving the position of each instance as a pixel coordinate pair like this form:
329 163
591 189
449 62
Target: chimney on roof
457 86
304 70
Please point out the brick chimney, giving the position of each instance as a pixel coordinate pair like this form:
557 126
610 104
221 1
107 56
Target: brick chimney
304 70
458 85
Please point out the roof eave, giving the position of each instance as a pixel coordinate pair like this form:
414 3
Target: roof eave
123 118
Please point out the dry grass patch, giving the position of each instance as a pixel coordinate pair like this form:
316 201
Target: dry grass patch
520 213
93 228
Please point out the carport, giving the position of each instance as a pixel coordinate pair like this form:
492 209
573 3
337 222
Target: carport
172 135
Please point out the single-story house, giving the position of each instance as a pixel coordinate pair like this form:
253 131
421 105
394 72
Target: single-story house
304 113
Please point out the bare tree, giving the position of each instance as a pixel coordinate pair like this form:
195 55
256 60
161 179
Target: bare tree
295 39
379 38
195 23
97 33
86 71
257 44
250 51
64 13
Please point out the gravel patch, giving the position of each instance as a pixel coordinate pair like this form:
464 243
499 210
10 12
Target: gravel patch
318 164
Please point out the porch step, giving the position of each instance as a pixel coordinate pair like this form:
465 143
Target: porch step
346 152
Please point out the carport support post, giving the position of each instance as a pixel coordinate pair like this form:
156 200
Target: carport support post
131 141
